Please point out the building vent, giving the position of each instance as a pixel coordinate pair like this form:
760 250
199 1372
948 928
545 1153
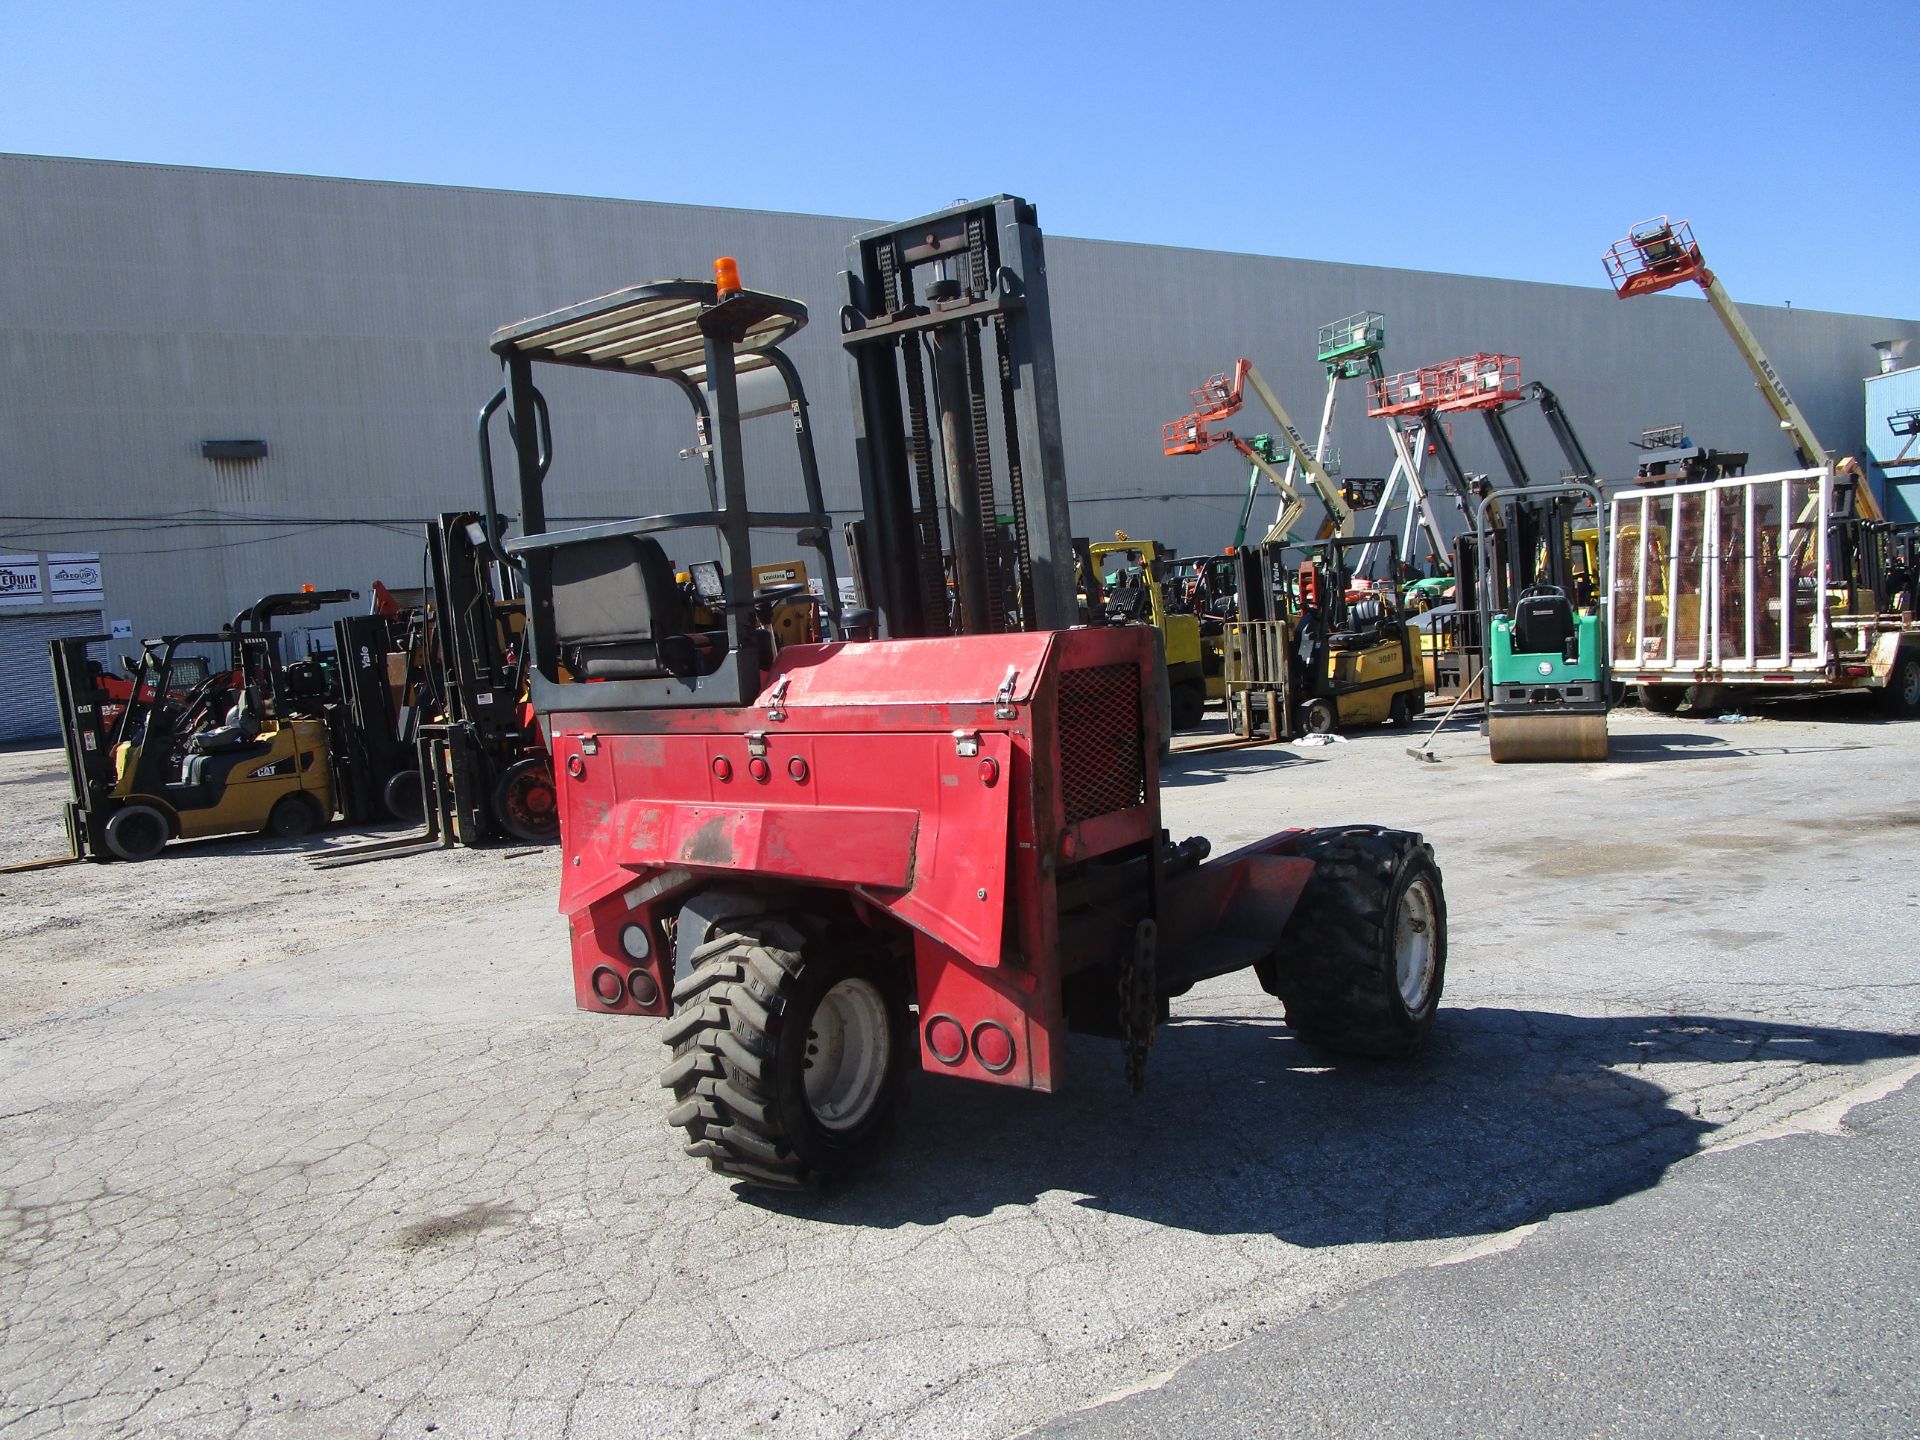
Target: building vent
232 450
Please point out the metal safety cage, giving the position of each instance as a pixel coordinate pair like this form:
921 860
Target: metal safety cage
1354 337
1728 580
1406 392
1655 255
928 290
701 340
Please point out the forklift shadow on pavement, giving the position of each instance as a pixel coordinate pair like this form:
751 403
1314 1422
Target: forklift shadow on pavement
1212 767
1507 1117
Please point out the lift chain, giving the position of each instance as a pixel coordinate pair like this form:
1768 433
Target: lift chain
932 567
982 434
1016 478
1139 1003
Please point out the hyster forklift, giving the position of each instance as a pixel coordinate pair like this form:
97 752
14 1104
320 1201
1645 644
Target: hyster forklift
831 862
1134 575
247 749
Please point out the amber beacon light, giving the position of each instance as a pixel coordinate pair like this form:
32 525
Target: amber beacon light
726 276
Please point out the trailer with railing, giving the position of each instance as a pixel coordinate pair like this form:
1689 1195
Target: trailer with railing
1725 589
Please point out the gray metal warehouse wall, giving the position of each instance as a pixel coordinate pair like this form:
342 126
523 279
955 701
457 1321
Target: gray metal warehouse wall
345 322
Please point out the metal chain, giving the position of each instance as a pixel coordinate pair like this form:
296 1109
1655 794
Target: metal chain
1016 478
933 580
996 597
1139 1005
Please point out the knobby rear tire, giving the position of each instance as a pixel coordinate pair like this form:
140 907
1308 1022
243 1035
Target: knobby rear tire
1339 973
741 1045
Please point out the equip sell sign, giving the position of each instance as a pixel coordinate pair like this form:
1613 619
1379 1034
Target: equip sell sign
20 580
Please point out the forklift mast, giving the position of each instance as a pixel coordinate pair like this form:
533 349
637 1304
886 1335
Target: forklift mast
933 286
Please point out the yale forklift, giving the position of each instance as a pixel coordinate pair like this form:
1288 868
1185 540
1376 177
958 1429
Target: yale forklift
937 848
1314 647
243 750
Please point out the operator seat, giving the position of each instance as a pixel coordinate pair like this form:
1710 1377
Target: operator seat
620 614
242 727
1365 619
1543 622
240 734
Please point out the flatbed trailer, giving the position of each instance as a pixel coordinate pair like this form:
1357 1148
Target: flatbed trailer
1754 584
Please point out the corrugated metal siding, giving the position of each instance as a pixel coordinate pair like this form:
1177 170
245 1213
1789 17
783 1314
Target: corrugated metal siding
28 710
345 322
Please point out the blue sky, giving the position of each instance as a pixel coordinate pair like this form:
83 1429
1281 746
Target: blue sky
1495 138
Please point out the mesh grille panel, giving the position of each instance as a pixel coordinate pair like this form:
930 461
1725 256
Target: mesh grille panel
1101 767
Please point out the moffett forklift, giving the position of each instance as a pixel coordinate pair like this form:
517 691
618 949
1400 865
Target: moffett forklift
943 846
242 751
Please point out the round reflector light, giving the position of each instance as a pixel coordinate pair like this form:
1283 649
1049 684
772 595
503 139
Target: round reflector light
946 1039
993 1046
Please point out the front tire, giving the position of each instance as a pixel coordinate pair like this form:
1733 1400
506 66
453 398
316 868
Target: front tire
1189 705
293 816
137 832
1319 717
525 802
404 795
1363 958
790 1053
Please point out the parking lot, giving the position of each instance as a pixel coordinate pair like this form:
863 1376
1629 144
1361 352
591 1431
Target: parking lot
285 1152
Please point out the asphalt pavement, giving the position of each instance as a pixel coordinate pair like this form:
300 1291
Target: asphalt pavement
387 1179
1768 1290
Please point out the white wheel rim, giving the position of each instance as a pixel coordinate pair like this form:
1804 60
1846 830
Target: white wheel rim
845 1067
1416 944
1910 684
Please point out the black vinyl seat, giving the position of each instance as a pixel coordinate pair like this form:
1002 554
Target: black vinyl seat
1542 622
1366 621
238 736
619 613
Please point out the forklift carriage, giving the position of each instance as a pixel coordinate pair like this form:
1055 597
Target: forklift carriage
825 860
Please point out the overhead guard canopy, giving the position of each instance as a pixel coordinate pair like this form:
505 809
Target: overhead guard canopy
659 329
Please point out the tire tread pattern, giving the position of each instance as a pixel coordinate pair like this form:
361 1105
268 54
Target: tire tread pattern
726 1026
1335 974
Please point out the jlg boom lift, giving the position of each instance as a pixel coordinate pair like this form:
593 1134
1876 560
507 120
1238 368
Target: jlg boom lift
1349 349
1220 399
831 861
1792 581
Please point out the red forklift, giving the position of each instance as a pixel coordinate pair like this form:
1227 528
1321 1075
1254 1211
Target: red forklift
933 837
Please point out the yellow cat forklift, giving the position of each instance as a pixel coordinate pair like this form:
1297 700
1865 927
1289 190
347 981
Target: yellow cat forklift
1315 647
245 750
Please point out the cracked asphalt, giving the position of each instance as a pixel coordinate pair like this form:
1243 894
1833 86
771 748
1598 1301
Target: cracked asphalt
379 1177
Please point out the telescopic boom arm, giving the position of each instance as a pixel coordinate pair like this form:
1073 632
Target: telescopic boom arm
1223 396
1659 254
